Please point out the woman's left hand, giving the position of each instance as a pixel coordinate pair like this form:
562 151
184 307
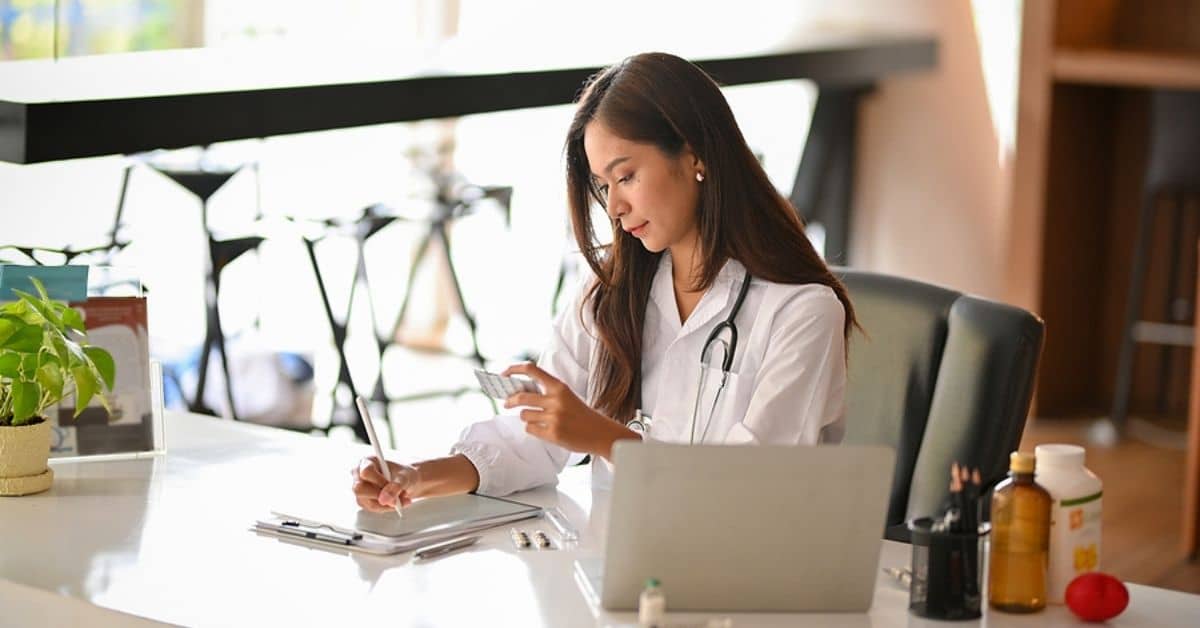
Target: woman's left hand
558 416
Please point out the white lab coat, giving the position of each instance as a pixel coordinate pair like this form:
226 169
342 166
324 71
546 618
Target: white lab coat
786 385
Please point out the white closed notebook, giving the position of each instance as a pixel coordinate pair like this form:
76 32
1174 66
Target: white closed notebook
425 521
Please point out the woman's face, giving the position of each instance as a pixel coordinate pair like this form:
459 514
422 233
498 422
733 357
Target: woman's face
650 195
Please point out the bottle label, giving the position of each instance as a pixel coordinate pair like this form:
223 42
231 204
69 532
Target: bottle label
1074 542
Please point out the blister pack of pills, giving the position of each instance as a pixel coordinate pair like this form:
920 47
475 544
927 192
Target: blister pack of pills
500 387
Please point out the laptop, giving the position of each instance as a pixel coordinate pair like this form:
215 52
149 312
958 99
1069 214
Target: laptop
746 528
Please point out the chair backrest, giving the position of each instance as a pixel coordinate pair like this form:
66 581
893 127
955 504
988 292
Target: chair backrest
1173 158
942 377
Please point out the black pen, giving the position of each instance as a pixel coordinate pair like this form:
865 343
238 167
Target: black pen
433 551
295 528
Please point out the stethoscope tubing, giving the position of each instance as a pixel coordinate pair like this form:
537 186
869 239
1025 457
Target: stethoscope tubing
726 362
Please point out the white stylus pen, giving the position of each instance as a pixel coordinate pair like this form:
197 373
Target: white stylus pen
370 425
433 551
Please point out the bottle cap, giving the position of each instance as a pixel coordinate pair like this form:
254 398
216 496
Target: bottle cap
652 583
1059 455
1021 462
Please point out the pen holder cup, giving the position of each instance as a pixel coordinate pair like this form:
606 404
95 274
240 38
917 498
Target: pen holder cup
947 571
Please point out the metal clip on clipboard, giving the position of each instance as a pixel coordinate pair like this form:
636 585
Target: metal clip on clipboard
315 532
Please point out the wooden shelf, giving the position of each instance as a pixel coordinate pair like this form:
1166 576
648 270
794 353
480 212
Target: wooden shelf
1082 115
1126 68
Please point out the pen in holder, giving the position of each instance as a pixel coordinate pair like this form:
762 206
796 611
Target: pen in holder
947 571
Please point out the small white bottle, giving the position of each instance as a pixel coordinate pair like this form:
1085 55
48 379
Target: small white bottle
1074 515
652 606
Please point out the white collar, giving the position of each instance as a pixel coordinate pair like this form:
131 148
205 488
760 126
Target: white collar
719 294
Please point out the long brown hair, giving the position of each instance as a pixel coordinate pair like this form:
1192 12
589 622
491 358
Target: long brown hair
664 100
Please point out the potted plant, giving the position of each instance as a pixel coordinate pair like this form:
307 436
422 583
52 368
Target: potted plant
44 357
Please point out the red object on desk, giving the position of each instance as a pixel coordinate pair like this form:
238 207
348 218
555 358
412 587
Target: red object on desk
1096 596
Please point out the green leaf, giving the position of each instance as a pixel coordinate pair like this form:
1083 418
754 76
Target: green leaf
50 378
58 345
21 311
34 308
25 397
104 363
29 366
8 327
85 387
49 310
68 351
105 403
26 340
73 319
10 364
41 289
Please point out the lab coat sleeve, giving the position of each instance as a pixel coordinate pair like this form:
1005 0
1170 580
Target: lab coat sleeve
507 458
799 393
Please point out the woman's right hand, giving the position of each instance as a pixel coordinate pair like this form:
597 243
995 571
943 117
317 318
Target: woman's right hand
373 492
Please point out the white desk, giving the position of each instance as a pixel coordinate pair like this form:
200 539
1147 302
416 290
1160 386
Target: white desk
166 538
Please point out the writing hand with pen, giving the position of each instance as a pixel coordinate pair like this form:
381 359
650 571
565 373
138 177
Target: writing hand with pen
557 415
435 477
374 492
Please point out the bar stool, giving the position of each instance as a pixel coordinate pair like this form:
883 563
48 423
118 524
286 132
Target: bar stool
454 200
204 184
1172 182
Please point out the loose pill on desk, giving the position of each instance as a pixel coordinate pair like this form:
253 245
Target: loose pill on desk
541 540
519 538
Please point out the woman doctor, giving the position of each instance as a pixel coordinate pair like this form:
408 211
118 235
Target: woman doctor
710 318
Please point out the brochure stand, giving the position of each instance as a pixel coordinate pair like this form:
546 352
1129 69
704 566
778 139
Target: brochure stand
115 316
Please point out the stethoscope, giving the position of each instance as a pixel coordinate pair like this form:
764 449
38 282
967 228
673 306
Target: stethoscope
641 423
729 349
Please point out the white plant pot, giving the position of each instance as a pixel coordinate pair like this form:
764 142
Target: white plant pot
24 450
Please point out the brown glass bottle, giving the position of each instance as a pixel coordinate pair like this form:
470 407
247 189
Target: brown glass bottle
1020 540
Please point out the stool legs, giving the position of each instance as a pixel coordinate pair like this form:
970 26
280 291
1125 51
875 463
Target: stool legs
1177 329
440 227
1133 307
112 241
339 343
214 337
1176 210
220 254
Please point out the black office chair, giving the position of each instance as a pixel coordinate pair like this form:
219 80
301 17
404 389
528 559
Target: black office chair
942 377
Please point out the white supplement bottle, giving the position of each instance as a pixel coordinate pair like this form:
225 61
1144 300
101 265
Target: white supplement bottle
1074 515
652 606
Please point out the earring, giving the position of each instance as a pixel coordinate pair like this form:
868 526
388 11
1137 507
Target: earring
699 176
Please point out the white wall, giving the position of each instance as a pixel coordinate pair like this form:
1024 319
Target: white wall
934 161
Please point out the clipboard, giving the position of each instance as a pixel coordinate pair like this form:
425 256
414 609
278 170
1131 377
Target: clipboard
425 521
